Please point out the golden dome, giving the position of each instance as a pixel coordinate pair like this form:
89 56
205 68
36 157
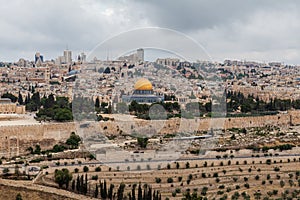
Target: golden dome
143 84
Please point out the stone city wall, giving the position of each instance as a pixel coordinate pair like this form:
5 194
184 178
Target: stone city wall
14 140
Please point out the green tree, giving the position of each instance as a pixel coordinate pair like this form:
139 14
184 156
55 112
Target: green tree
10 96
37 149
36 100
140 192
30 149
120 193
142 142
73 140
19 196
96 191
97 103
49 102
5 170
20 99
170 180
63 177
85 168
62 102
63 114
187 165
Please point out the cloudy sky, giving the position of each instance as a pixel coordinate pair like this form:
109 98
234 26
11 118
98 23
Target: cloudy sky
260 30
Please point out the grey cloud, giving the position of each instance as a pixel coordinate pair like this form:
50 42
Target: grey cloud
201 14
226 28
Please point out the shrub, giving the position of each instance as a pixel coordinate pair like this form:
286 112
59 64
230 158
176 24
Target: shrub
228 189
276 169
282 183
85 168
221 187
170 180
204 191
220 192
277 176
187 165
168 166
174 194
98 169
157 180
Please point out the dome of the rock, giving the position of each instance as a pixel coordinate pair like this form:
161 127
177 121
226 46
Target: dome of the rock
143 84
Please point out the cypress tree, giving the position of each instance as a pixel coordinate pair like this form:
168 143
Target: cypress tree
101 190
149 197
78 184
20 99
140 193
105 189
73 185
120 194
97 103
110 191
85 185
96 191
133 192
145 192
81 185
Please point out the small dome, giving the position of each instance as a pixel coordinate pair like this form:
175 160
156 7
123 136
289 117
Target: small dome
143 84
